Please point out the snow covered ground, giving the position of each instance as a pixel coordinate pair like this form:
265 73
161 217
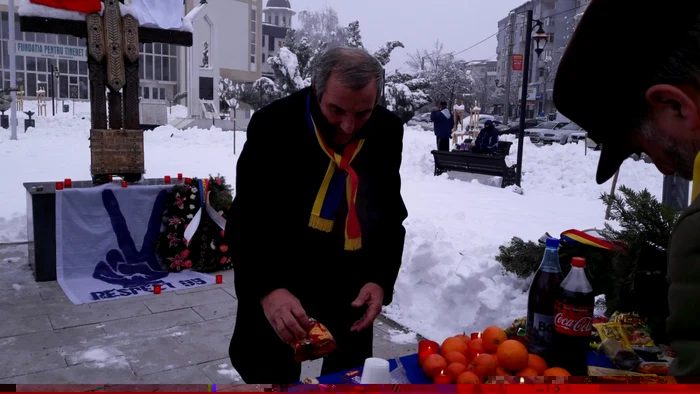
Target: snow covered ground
449 281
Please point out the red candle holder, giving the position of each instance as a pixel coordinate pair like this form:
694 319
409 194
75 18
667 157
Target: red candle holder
219 279
179 177
442 378
187 181
475 335
156 289
166 179
425 349
59 185
67 183
110 178
124 184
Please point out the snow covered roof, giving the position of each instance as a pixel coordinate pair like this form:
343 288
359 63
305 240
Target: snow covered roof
27 8
288 10
278 4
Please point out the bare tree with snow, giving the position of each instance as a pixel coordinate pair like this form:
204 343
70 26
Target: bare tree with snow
446 75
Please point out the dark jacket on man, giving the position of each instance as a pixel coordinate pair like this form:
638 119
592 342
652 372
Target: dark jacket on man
279 174
443 123
487 141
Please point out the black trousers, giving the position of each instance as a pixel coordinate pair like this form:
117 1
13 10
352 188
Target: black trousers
443 144
260 357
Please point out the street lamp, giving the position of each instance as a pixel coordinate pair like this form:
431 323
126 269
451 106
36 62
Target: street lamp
540 41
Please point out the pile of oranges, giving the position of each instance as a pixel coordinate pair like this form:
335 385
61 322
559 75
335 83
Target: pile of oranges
467 361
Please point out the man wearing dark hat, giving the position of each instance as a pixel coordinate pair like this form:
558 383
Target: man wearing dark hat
651 76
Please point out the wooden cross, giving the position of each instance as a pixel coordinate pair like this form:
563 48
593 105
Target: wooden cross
116 142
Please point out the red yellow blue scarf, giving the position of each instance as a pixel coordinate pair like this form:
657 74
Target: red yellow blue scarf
334 184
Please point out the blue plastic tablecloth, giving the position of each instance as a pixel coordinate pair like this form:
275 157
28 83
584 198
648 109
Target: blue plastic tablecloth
415 374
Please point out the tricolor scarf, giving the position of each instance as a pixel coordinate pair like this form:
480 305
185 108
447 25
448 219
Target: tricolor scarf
332 187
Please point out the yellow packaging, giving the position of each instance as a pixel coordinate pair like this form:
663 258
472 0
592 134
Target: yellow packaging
613 331
600 371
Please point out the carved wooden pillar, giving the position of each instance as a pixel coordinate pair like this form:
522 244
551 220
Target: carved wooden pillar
115 62
96 53
131 67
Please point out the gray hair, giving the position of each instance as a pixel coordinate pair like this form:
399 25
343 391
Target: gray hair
353 67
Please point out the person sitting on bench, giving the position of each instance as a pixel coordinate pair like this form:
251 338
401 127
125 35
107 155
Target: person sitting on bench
487 141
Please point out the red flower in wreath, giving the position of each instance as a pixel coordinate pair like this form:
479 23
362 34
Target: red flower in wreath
178 262
179 201
223 248
175 221
222 234
173 239
225 260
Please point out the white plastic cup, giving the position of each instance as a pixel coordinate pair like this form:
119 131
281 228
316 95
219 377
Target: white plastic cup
376 371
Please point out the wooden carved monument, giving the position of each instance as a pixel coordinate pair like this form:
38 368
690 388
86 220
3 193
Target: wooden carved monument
20 98
116 141
474 118
41 101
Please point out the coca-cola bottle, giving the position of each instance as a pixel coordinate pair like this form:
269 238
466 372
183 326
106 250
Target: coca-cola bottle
540 302
573 315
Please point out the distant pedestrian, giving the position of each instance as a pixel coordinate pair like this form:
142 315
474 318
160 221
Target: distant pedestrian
442 124
458 110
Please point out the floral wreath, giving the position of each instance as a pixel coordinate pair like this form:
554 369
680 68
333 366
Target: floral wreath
194 219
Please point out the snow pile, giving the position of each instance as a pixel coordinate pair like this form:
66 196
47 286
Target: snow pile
104 358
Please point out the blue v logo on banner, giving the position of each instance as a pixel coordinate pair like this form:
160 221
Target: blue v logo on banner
127 266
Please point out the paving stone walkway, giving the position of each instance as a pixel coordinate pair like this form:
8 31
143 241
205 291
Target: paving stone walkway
176 337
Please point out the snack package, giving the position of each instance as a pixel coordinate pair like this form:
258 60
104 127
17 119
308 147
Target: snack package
623 357
318 343
654 368
613 331
637 332
601 371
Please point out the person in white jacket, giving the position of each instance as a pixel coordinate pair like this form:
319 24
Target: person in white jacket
458 111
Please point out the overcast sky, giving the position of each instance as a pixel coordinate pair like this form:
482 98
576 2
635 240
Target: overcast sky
459 24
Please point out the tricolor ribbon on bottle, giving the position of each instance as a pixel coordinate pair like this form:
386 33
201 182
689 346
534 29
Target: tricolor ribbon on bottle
205 205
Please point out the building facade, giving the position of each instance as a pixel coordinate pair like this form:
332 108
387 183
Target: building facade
277 20
559 19
484 73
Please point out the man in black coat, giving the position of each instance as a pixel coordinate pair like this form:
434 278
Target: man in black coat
311 236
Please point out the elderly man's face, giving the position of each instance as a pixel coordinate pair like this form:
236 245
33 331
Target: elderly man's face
347 110
672 140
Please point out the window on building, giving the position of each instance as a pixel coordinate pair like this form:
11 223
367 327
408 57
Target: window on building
547 53
284 21
550 37
253 35
263 58
277 20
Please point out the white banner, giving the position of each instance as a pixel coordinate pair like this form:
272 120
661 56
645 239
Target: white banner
105 244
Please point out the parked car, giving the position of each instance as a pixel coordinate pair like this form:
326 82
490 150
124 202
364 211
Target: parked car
425 118
567 134
537 133
502 129
514 125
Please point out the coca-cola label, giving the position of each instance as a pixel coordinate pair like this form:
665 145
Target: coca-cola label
575 321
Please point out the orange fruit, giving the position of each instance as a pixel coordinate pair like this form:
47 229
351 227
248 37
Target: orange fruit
464 338
537 363
495 357
492 337
434 364
476 347
485 365
456 357
454 344
556 371
501 372
468 378
512 355
454 370
527 371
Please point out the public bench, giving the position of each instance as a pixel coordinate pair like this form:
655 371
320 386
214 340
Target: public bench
494 165
503 147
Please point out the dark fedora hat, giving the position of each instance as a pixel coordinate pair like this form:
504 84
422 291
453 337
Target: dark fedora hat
611 61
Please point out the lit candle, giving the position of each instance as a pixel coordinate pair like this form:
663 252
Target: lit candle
425 349
219 279
475 335
442 378
110 178
166 179
124 184
187 181
522 380
59 185
67 183
179 177
156 289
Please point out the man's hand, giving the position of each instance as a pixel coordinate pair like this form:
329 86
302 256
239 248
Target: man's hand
436 109
286 316
371 295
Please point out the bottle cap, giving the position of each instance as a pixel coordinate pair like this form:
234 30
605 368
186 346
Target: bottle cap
579 262
553 243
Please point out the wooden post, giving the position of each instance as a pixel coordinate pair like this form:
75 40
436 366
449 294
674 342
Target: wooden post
41 101
612 193
20 99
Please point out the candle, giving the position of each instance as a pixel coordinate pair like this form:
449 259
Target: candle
522 380
110 178
67 183
124 184
425 349
442 378
219 279
475 335
179 177
156 289
187 181
59 185
166 179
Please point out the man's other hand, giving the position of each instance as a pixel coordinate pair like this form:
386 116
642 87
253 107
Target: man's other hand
286 316
371 295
